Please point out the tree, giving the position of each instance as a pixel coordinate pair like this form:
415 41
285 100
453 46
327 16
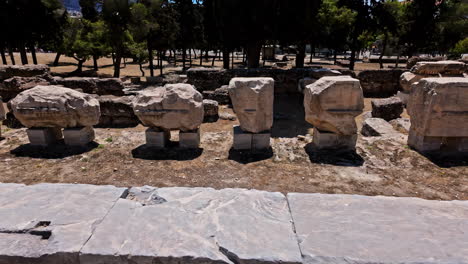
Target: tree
117 15
460 48
452 24
75 43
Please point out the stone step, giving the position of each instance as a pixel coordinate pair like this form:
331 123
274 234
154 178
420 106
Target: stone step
86 224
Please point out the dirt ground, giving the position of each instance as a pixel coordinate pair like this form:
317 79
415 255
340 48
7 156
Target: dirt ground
68 64
381 166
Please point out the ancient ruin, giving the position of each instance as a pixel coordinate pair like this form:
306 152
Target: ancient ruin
2 114
172 107
428 69
45 110
439 120
331 105
252 99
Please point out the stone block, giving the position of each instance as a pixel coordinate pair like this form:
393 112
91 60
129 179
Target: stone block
190 139
343 229
242 140
194 226
404 97
50 223
211 109
377 127
158 138
330 140
261 140
387 109
44 136
79 136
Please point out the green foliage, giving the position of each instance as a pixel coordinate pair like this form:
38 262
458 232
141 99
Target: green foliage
460 48
336 23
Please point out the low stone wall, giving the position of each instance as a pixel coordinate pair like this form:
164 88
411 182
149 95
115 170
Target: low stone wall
9 71
380 83
286 81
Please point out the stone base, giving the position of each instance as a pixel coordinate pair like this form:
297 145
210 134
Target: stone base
79 136
247 141
423 143
157 138
329 140
403 96
44 136
189 140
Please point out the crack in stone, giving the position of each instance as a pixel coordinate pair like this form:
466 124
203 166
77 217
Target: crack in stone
230 255
38 230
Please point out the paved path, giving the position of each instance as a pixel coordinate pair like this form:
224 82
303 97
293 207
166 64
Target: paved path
60 223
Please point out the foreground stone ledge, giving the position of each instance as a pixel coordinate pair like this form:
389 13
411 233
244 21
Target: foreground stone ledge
195 225
359 229
50 223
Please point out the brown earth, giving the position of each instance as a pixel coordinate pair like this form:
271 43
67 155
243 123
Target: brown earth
380 166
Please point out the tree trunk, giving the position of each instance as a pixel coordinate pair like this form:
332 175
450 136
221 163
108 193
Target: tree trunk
141 69
334 57
12 56
201 58
23 54
33 54
79 69
160 64
194 54
190 58
150 58
385 40
207 56
397 59
4 60
214 58
118 60
300 56
184 55
232 60
253 54
226 59
95 63
57 58
312 52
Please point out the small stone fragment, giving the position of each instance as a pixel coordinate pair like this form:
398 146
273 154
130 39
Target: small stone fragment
387 109
376 127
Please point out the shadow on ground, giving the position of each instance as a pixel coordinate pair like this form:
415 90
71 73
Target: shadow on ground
449 160
57 151
172 152
248 156
344 158
289 116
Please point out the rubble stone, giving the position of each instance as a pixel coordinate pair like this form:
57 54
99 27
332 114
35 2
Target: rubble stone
440 67
54 106
220 95
9 71
438 111
117 111
376 127
82 84
10 88
332 103
211 109
110 86
387 109
252 99
380 83
172 107
401 125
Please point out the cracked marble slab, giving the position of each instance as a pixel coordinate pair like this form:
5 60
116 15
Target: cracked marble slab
50 223
358 229
195 225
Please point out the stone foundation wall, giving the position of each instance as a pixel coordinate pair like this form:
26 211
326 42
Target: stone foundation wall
380 83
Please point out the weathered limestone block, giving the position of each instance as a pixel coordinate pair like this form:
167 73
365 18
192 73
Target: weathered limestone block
332 103
172 107
117 111
10 88
241 140
379 83
440 67
387 109
211 109
407 79
83 84
330 140
195 225
220 95
413 60
189 139
401 125
9 71
377 127
44 136
303 83
343 229
110 86
78 136
55 106
157 138
439 113
252 99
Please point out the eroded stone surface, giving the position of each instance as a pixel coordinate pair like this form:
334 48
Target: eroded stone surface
10 88
438 107
195 225
359 229
55 106
388 108
117 111
439 67
2 110
332 103
8 71
377 127
252 99
172 107
50 223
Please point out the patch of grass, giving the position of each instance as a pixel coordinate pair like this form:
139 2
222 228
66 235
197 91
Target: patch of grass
109 139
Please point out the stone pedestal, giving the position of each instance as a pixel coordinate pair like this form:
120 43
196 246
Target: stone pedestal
158 138
429 144
247 141
78 136
189 140
44 136
329 140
